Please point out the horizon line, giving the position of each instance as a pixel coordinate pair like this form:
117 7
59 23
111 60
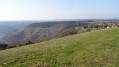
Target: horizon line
64 19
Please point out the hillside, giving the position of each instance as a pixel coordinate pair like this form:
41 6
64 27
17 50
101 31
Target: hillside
7 27
4 30
40 31
93 49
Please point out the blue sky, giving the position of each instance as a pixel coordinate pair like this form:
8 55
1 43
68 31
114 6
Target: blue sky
58 9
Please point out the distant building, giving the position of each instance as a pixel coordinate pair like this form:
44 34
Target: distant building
112 24
82 27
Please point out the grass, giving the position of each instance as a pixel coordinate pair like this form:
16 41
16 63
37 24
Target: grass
93 49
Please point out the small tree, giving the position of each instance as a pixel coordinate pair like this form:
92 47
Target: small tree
28 42
105 26
96 26
3 46
18 44
88 30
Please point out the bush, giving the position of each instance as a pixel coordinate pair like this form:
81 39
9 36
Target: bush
3 46
88 30
28 42
18 44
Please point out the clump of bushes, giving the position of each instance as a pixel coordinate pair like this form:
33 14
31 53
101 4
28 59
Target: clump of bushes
88 30
70 32
77 31
3 46
22 44
6 46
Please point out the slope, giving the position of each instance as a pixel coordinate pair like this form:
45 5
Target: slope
40 31
93 49
5 30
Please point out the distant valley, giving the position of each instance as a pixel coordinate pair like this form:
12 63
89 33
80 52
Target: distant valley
41 31
22 32
7 27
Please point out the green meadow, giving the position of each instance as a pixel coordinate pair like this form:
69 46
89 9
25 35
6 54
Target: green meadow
92 49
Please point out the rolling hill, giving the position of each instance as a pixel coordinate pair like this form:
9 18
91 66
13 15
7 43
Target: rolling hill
40 31
7 27
93 49
4 30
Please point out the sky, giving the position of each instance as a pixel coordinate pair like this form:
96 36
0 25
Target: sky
58 9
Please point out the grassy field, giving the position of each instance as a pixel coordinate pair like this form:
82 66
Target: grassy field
93 49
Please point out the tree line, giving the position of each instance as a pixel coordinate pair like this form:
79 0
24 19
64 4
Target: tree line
4 46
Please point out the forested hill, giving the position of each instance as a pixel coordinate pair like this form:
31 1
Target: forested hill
41 31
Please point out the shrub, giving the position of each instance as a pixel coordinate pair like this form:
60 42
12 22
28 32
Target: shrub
3 46
28 42
88 30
